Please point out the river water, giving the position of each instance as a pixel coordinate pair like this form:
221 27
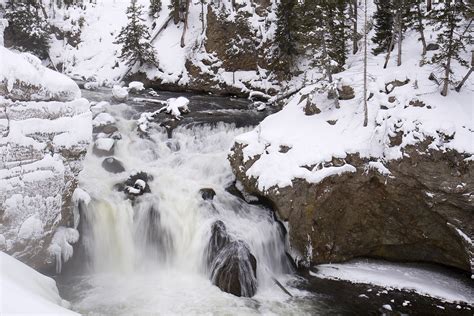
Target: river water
148 256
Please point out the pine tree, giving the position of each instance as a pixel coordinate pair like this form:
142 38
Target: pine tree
27 30
285 35
135 38
334 12
155 7
383 26
448 19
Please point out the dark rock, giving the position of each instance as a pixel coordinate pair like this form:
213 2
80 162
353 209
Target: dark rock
390 86
219 239
207 193
113 165
310 108
392 99
234 270
417 103
346 93
284 149
432 46
413 215
135 185
106 129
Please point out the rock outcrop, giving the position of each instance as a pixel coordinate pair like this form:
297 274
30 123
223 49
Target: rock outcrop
42 144
422 209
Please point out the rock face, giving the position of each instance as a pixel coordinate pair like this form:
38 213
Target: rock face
233 268
423 211
41 148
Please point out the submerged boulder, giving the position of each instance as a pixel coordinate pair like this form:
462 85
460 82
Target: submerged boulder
113 165
233 267
234 270
207 193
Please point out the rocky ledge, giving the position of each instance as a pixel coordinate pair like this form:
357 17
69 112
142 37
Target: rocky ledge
46 128
420 209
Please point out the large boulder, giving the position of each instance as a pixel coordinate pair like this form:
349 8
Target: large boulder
234 270
422 212
233 267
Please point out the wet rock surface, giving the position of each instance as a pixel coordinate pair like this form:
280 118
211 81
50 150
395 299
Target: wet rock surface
419 213
233 268
207 193
113 165
135 185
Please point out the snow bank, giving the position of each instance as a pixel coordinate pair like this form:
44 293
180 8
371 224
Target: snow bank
401 277
25 291
136 86
19 71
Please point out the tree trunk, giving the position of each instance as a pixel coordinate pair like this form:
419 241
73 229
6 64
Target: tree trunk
428 5
400 36
459 86
185 23
366 116
419 16
447 69
390 48
355 48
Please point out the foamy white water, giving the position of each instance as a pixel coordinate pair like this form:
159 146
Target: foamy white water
149 257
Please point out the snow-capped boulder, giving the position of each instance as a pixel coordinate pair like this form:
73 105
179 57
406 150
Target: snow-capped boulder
119 93
136 86
177 106
41 148
23 78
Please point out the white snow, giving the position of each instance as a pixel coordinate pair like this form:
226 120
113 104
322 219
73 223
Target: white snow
103 119
338 132
105 144
401 277
120 93
25 291
177 106
136 86
26 68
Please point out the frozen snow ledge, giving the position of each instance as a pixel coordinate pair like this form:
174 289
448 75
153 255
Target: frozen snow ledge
42 144
25 291
401 277
22 77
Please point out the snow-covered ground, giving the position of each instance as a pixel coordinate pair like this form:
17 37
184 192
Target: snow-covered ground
402 277
416 110
25 291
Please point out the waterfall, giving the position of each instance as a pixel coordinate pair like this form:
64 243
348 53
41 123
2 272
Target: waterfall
166 232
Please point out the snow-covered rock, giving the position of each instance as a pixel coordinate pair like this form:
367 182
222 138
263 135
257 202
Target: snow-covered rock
41 148
119 93
136 86
350 190
177 106
25 291
22 77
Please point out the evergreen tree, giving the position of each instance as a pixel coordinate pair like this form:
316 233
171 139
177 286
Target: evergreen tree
135 38
155 7
27 30
383 26
334 17
447 19
285 35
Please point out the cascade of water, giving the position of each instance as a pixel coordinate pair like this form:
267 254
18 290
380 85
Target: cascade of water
169 229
